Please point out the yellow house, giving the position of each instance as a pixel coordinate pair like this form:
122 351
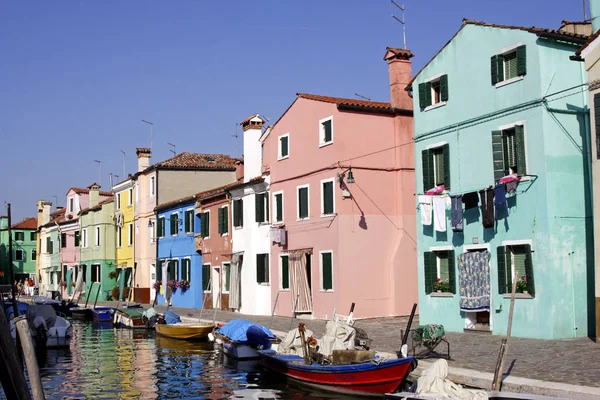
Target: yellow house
124 203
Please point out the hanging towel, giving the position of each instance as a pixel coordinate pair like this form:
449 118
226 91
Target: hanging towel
439 214
500 201
509 178
474 280
425 206
435 190
456 214
487 207
511 187
470 200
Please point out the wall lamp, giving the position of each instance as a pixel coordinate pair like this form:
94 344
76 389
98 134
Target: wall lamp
150 223
342 175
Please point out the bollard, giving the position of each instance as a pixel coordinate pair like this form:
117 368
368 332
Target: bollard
30 359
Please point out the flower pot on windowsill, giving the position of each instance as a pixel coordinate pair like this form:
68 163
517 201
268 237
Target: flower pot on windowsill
439 291
525 292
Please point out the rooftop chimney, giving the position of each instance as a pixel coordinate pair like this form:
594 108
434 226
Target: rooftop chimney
94 194
399 67
252 127
44 208
143 155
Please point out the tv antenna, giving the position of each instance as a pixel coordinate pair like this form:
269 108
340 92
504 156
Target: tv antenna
172 150
123 162
236 136
402 21
362 97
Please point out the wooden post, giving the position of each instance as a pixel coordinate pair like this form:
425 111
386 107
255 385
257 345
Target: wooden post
30 359
497 383
11 267
204 295
11 371
273 312
294 311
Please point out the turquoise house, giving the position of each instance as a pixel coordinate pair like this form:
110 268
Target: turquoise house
504 103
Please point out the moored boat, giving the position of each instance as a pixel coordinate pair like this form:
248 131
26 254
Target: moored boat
63 306
240 338
130 317
185 331
102 314
47 329
82 313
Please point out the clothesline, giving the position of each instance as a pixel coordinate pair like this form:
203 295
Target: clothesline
451 193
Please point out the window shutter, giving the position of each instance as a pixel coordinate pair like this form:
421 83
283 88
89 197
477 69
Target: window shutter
520 145
446 150
225 219
205 277
494 69
444 87
500 68
502 268
529 270
173 222
187 221
285 273
497 155
236 213
430 266
77 239
260 272
428 93
327 129
284 146
303 202
597 121
451 272
327 272
220 220
259 203
241 213
521 61
266 210
428 178
279 207
328 198
266 267
207 219
422 95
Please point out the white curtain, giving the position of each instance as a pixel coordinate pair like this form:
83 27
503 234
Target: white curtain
301 298
79 286
235 282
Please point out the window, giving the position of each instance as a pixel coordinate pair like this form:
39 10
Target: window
97 241
173 270
130 234
515 259
84 272
303 205
206 277
238 213
223 220
49 247
130 199
284 146
20 236
205 224
160 229
174 222
261 202
152 230
118 200
77 236
119 236
151 186
189 221
326 270
63 240
326 131
508 150
509 65
327 197
71 205
185 269
19 255
278 207
96 272
434 91
439 271
32 236
33 255
262 268
436 167
285 271
84 237
226 277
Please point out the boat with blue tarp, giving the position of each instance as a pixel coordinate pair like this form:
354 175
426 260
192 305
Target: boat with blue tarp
241 338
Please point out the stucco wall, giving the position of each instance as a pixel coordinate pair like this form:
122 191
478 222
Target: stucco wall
178 184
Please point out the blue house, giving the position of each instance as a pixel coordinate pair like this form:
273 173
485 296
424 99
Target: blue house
177 259
502 137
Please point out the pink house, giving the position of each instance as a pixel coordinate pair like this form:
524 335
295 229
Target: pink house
342 190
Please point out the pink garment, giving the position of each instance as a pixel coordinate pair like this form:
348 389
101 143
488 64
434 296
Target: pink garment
435 190
509 178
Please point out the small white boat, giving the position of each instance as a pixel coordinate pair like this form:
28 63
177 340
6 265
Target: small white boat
46 327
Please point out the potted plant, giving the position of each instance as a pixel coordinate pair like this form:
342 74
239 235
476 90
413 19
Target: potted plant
115 292
441 286
522 285
157 285
125 292
172 285
73 284
183 285
113 275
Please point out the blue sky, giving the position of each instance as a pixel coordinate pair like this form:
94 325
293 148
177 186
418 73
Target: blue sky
77 77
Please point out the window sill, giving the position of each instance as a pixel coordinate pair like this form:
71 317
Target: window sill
238 227
328 215
284 290
264 283
278 224
441 294
326 290
518 296
282 158
302 219
224 234
434 106
509 81
324 144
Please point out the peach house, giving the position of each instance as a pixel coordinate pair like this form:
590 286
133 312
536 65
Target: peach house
342 190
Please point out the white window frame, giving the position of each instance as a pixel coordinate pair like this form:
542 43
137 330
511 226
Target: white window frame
323 181
510 243
431 79
321 252
274 208
209 218
524 125
436 249
130 199
152 188
223 291
209 275
22 258
130 234
227 233
119 237
298 202
322 142
501 52
435 146
153 230
84 238
180 268
281 272
193 210
279 157
71 204
97 273
170 222
97 238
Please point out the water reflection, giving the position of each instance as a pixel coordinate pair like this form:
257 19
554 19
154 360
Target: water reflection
126 364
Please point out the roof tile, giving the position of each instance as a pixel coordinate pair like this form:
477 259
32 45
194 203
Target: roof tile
377 105
187 160
26 223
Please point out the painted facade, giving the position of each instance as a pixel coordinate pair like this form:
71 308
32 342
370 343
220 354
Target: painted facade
500 100
24 235
4 266
97 257
50 249
124 200
178 260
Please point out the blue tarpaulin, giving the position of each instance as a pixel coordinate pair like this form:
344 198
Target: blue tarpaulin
237 330
171 318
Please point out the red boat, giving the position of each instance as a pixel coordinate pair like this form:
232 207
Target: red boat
367 378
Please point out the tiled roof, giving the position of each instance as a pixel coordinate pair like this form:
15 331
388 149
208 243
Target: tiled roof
241 184
400 53
588 42
169 204
187 160
216 191
56 217
377 105
27 223
97 206
86 191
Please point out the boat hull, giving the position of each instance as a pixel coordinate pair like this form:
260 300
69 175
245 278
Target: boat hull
239 350
129 319
82 313
185 331
102 314
364 378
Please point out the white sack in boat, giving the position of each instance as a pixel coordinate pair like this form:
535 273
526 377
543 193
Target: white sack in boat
433 383
292 344
338 336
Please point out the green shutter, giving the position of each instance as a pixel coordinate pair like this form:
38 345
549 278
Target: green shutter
279 207
285 272
521 61
225 219
502 268
237 211
328 132
451 271
173 222
428 93
494 69
284 146
186 221
497 155
422 96
529 270
205 277
328 198
203 224
77 238
444 87
220 220
520 147
207 222
597 123
500 62
184 269
430 267
327 271
241 216
428 177
303 202
259 203
260 271
266 209
446 151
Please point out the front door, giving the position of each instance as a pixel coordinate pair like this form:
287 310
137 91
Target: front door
479 320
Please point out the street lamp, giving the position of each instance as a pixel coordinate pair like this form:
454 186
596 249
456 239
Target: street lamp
342 175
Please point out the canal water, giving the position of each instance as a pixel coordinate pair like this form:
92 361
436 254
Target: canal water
125 364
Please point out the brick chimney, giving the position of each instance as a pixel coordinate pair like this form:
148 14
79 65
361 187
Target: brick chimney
44 208
399 67
252 127
239 169
143 155
94 189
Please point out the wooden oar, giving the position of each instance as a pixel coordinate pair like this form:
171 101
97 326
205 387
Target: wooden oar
273 312
294 311
497 383
204 298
